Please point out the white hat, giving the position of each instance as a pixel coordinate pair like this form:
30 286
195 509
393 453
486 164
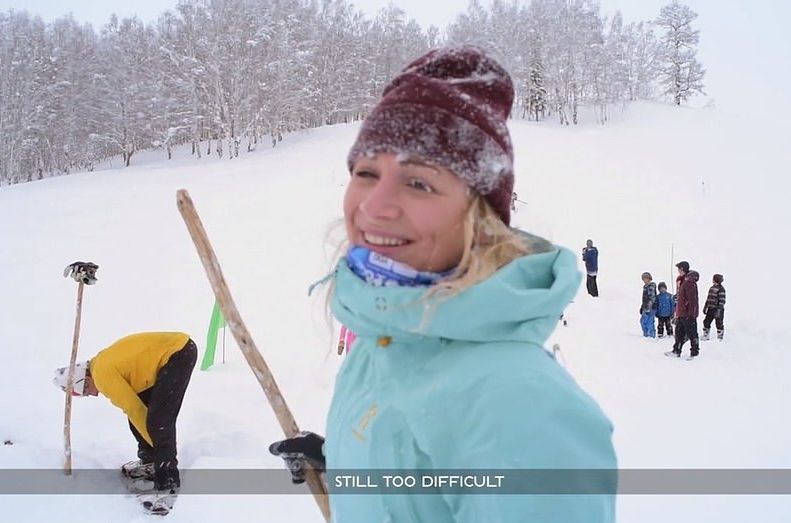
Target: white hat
80 371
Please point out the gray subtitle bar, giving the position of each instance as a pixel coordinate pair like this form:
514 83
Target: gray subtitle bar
421 482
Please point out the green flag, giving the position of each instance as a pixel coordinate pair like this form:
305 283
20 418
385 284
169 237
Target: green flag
215 323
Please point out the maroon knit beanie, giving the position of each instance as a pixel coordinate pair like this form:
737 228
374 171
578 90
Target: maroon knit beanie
449 108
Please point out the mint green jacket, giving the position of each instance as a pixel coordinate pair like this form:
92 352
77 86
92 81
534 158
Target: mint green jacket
465 383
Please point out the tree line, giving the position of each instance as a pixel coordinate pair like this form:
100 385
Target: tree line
225 76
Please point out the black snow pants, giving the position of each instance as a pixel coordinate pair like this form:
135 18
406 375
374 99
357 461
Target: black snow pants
590 283
687 328
664 322
716 315
164 400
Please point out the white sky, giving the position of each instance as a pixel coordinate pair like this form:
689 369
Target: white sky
437 13
744 45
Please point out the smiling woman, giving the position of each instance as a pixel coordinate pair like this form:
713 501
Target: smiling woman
451 309
407 211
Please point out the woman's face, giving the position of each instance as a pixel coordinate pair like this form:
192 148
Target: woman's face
409 211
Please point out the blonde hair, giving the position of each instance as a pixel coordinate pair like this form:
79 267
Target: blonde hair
489 244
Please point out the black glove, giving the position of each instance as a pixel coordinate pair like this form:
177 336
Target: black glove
306 447
84 272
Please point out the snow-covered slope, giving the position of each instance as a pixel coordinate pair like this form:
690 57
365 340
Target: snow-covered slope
709 186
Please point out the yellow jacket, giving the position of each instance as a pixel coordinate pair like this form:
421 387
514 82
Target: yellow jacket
129 366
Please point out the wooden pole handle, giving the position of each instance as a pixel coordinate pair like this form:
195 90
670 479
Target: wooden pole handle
244 340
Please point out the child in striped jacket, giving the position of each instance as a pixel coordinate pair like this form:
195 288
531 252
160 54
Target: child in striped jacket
714 309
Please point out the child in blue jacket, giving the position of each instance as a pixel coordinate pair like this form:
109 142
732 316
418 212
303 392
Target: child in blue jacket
665 308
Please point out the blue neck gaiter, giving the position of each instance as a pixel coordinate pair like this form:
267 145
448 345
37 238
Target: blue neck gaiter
381 271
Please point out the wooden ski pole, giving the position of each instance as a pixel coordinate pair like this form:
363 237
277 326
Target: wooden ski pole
84 273
245 341
70 383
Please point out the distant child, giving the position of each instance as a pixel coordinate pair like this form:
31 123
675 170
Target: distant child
648 306
665 307
590 255
714 309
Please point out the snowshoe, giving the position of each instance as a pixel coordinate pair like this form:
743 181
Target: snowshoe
138 470
159 503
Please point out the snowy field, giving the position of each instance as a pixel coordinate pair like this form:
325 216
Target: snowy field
709 185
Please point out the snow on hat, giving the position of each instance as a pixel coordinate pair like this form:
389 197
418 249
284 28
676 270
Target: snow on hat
80 372
449 107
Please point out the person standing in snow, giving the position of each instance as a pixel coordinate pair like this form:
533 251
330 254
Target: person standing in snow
714 309
665 307
683 269
145 375
451 308
648 306
590 255
687 314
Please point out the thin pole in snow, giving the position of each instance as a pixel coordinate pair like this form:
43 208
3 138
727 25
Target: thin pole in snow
70 383
84 273
245 341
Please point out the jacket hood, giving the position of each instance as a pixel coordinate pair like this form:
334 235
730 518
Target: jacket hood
521 302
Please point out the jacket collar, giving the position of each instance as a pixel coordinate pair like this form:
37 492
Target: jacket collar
521 302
